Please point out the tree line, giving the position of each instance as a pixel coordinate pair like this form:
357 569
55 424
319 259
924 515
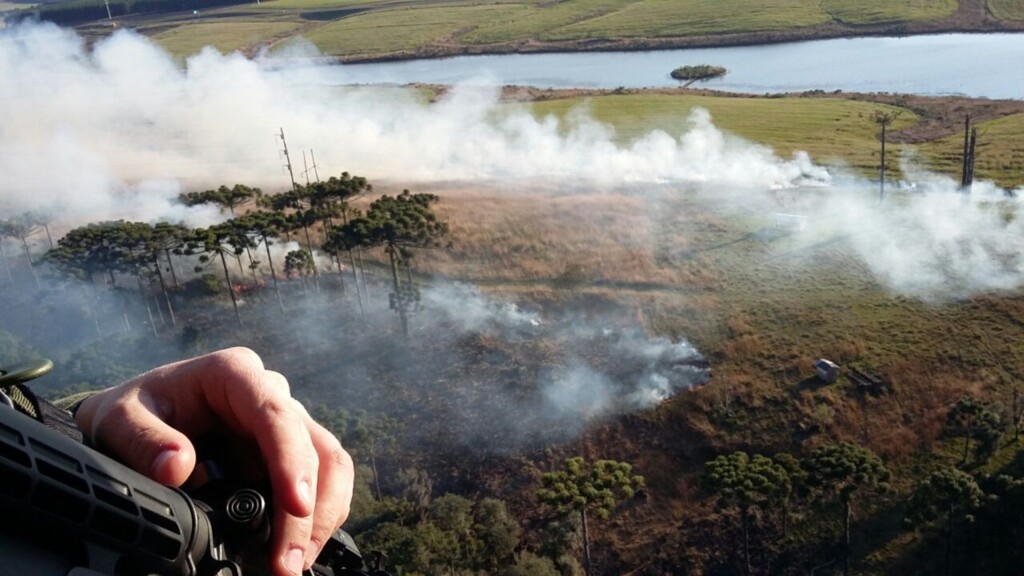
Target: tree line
146 254
972 520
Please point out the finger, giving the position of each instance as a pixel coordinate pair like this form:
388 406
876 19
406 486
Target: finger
130 429
290 541
277 423
334 493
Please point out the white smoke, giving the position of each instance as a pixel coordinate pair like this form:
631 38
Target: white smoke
601 368
119 130
469 309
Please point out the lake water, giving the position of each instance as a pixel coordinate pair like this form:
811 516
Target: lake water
977 65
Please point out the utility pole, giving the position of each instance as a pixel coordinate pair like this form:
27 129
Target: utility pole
291 175
107 3
315 171
884 119
288 160
970 140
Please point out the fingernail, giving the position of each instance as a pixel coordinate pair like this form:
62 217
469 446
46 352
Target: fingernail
306 491
293 560
161 460
312 552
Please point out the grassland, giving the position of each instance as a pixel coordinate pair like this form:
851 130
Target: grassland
883 12
235 35
359 30
762 305
832 131
1010 10
835 131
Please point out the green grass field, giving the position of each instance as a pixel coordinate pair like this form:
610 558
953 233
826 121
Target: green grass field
1007 9
884 11
999 154
404 30
832 131
391 27
183 41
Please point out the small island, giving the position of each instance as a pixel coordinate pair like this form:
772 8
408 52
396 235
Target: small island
701 72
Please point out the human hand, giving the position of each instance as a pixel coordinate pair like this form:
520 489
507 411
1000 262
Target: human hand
148 421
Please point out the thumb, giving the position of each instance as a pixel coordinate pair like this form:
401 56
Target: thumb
129 431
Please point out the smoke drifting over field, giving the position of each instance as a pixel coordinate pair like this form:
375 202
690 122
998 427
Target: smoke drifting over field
119 130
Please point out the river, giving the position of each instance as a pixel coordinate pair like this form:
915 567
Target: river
976 65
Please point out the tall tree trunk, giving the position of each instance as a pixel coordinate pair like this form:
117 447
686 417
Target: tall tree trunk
163 288
586 543
949 537
745 521
91 309
156 303
355 281
329 225
7 265
31 265
362 273
170 265
231 288
270 261
882 168
969 429
847 512
149 309
376 476
124 305
399 303
312 259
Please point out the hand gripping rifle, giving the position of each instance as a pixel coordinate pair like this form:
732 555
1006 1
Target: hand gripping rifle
67 510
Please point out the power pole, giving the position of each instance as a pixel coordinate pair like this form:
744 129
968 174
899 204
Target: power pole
970 140
884 119
288 160
313 159
291 175
107 3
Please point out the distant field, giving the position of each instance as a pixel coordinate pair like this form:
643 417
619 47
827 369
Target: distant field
443 27
313 4
1007 9
402 30
832 131
227 36
999 154
885 11
660 18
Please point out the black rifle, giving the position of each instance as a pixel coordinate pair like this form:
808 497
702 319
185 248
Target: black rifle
67 510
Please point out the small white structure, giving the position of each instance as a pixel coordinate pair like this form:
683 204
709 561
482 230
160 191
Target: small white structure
827 370
790 222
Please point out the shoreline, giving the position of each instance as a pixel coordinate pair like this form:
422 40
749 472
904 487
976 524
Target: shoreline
827 32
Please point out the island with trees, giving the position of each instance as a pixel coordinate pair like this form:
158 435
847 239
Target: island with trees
698 72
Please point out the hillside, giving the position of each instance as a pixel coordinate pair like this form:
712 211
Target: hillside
368 30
